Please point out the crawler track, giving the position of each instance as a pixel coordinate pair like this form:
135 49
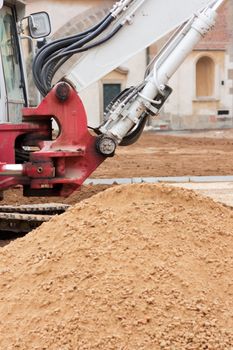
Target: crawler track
24 218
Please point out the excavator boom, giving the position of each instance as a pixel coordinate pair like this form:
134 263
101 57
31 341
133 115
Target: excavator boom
144 22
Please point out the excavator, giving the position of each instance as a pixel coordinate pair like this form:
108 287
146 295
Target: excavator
44 164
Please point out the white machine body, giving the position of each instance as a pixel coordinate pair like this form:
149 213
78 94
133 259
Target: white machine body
145 22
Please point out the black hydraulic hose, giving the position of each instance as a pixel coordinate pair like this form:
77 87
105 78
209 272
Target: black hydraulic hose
47 69
71 38
97 43
44 54
57 45
64 56
134 135
75 36
92 34
79 44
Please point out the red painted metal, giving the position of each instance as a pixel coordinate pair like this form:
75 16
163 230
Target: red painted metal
60 166
9 134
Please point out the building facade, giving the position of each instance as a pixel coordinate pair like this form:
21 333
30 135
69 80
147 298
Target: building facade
202 87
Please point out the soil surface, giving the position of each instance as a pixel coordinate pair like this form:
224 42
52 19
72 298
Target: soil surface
155 154
167 155
135 267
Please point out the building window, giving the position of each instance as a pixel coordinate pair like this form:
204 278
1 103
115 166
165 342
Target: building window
110 91
205 77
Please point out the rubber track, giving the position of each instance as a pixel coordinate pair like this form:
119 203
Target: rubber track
51 208
24 218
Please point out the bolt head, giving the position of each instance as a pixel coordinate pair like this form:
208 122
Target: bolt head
106 146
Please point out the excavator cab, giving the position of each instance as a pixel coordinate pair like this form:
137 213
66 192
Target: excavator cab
13 79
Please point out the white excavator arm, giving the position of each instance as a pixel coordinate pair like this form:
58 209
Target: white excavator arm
143 23
127 115
131 26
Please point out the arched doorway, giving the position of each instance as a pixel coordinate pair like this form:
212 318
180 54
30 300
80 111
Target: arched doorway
205 77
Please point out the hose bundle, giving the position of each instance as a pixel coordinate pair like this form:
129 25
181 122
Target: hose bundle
53 55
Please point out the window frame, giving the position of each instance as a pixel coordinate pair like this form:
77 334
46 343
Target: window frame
109 82
23 100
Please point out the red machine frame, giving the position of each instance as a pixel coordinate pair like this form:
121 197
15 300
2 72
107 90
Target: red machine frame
60 166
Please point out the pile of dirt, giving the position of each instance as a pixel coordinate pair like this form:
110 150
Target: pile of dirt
134 267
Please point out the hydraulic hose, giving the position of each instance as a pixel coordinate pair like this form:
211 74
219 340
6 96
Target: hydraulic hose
134 135
68 52
62 57
57 45
50 58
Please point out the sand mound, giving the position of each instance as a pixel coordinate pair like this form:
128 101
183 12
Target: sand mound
135 267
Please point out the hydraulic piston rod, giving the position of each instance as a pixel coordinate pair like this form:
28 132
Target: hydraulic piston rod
198 26
11 169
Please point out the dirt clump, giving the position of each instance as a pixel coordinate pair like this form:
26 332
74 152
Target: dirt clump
134 267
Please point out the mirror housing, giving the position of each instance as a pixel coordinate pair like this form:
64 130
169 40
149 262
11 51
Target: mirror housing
39 25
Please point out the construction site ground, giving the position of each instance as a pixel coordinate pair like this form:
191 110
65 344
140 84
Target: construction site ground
159 154
139 266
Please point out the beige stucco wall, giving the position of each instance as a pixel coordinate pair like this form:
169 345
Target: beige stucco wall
183 100
62 11
185 110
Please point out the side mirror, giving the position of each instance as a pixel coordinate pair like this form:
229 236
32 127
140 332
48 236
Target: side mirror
39 25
